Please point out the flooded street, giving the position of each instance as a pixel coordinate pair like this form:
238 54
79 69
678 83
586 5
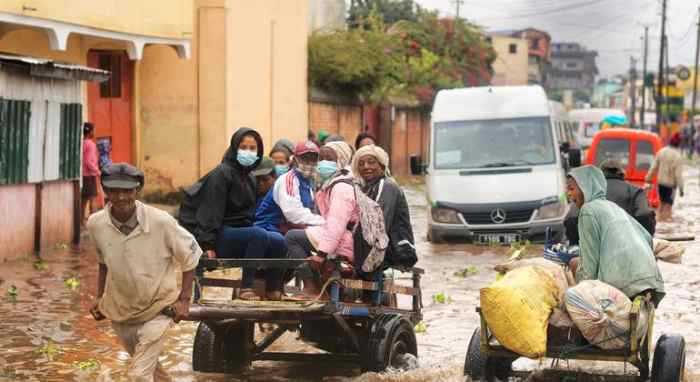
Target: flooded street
46 330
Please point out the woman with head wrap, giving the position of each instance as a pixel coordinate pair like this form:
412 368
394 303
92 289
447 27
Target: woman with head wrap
371 166
337 205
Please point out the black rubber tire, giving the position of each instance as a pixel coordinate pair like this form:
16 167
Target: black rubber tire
221 348
479 368
390 336
669 359
474 365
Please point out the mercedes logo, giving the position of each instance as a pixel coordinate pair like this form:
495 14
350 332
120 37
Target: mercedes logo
498 216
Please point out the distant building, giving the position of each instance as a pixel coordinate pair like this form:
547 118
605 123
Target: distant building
326 14
511 64
573 68
539 54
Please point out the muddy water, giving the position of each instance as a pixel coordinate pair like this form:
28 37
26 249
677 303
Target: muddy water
46 330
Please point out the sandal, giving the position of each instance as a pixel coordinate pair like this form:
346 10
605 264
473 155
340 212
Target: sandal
248 294
273 296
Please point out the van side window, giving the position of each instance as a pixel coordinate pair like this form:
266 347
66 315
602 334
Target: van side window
645 155
613 148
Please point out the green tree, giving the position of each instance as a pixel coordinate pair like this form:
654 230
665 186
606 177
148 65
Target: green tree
390 11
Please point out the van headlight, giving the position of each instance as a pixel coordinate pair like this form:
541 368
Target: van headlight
552 208
445 215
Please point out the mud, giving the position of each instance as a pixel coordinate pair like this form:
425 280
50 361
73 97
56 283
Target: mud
46 330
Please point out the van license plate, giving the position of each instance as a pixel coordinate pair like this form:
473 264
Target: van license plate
498 238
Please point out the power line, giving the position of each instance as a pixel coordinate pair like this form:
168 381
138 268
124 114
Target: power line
550 11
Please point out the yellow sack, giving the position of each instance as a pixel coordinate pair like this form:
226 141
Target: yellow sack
517 309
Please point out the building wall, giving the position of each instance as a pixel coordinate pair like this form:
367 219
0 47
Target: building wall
344 120
17 205
56 213
266 75
185 111
510 68
162 18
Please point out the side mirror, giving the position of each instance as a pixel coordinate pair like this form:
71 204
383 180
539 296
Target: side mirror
417 168
574 158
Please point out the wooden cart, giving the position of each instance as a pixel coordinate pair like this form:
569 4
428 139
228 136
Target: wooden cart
374 335
487 360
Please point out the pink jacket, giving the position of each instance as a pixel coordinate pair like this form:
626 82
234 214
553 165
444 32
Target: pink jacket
90 157
338 207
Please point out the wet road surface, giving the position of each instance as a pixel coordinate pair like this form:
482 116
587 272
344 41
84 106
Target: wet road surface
46 332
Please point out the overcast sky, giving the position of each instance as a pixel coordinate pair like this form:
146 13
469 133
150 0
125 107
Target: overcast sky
612 27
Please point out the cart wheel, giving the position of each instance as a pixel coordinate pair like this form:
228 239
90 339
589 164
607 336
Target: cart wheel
644 358
391 338
669 359
222 348
480 368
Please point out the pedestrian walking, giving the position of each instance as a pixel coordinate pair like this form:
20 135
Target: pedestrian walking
668 165
91 171
141 250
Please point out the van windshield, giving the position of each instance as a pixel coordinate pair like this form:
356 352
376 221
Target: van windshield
493 143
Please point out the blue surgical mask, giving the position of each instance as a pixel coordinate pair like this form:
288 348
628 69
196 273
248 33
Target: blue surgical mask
247 158
326 169
281 169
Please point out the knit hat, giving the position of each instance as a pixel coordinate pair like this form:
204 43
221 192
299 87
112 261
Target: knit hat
343 151
375 151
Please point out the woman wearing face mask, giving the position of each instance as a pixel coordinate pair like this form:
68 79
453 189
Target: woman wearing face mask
290 202
371 166
281 154
220 212
336 203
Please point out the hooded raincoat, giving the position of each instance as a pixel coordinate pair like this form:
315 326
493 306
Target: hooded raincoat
226 196
615 248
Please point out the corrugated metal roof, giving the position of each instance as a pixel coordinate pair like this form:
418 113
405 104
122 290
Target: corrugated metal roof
42 67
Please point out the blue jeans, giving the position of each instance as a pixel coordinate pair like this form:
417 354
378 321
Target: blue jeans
252 243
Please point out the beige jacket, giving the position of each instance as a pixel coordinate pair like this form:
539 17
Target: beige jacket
669 164
143 268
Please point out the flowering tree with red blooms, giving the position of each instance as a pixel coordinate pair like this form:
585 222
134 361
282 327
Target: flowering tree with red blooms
409 59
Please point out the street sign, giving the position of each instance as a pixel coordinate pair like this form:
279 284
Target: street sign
683 73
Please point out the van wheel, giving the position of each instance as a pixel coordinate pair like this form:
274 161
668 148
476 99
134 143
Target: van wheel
434 237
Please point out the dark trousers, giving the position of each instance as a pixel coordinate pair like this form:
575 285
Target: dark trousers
252 243
299 247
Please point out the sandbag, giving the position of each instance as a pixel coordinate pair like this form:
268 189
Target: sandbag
516 309
601 312
666 251
564 278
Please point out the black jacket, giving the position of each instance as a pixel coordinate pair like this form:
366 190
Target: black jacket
226 196
397 218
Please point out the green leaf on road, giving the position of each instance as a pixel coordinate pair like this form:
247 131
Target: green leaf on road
49 351
442 298
466 272
89 365
72 283
421 327
13 292
40 265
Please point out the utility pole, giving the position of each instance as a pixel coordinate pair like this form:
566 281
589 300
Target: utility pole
660 80
693 106
458 5
633 92
644 77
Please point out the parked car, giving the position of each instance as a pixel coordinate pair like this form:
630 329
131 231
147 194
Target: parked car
496 173
589 122
636 150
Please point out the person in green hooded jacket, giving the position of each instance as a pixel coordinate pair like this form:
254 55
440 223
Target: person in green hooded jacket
615 248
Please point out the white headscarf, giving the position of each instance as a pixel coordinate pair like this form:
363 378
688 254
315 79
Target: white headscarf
343 151
375 151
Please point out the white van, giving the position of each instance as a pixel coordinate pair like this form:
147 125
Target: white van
495 173
588 123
